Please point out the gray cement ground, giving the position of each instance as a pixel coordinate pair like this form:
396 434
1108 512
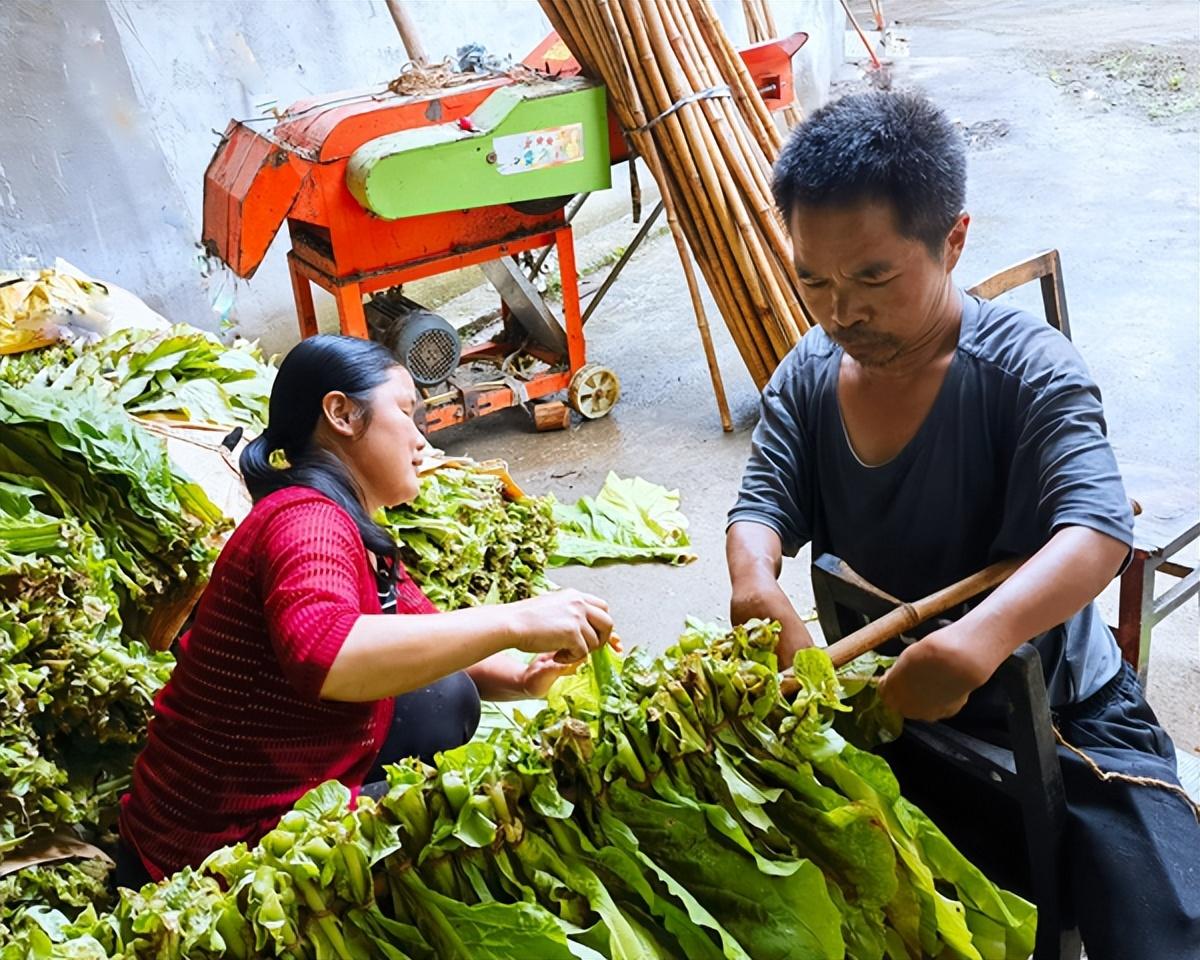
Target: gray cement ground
1069 151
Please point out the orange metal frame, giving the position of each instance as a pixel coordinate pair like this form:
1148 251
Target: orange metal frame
297 172
307 266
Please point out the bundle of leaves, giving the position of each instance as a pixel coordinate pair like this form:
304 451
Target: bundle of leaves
97 534
159 529
31 787
180 372
465 544
59 608
656 809
75 694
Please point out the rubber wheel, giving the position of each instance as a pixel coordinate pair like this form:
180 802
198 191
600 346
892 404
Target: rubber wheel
594 391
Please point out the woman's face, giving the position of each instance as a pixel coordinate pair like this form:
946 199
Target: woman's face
385 454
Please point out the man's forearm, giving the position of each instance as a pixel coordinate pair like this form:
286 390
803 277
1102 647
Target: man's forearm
1057 582
754 554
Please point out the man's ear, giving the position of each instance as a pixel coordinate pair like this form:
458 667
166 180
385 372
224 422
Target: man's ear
340 412
956 239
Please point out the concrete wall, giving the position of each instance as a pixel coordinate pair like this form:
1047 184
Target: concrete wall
110 111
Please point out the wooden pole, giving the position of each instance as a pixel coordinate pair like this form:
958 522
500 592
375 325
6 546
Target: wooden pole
711 158
910 615
861 36
408 32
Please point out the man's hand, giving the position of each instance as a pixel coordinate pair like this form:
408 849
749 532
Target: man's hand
755 556
771 603
933 677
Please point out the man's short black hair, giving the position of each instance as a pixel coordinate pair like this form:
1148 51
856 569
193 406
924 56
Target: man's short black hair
892 147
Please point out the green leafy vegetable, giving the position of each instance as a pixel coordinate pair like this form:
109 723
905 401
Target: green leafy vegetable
98 536
679 807
180 371
464 544
628 520
95 463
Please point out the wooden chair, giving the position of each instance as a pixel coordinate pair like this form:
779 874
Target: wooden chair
1157 539
1027 774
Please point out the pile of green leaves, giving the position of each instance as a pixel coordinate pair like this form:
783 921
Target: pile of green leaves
465 545
18 369
67 886
180 372
74 694
97 536
665 809
100 467
629 519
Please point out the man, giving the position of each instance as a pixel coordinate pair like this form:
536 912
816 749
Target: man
920 434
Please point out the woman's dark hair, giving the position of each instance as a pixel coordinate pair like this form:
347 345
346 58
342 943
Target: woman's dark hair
895 148
313 368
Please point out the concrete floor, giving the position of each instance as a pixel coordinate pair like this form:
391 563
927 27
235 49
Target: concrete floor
1065 157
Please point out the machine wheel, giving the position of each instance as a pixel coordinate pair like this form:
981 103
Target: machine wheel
594 391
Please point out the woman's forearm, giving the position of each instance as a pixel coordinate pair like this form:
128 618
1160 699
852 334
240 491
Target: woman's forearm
386 655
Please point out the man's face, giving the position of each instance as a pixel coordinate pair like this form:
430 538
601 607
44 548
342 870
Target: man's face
874 292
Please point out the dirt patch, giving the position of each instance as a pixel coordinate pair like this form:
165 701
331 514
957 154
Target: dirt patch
984 134
1160 83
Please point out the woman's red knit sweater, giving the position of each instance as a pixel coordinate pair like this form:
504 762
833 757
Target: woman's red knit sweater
239 732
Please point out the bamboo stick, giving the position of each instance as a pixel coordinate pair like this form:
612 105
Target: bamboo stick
669 204
747 94
745 236
693 64
750 303
909 615
711 158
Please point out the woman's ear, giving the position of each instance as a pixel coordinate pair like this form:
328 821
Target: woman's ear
340 412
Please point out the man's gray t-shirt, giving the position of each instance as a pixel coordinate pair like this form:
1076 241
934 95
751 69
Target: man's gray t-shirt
1013 449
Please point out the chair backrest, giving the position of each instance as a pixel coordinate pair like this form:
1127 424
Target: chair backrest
1046 267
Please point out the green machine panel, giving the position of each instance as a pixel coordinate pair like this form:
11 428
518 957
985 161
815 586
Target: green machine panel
526 141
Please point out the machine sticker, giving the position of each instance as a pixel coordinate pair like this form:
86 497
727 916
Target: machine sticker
539 149
559 53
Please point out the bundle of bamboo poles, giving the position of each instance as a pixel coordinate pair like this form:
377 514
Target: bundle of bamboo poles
760 26
690 110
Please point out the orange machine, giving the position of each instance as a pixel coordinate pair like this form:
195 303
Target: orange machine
346 170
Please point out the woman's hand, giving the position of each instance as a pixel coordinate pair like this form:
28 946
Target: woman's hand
388 654
566 622
541 672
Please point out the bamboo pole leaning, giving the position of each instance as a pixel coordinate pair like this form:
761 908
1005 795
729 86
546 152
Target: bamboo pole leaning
690 110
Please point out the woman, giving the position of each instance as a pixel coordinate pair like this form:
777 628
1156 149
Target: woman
313 655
